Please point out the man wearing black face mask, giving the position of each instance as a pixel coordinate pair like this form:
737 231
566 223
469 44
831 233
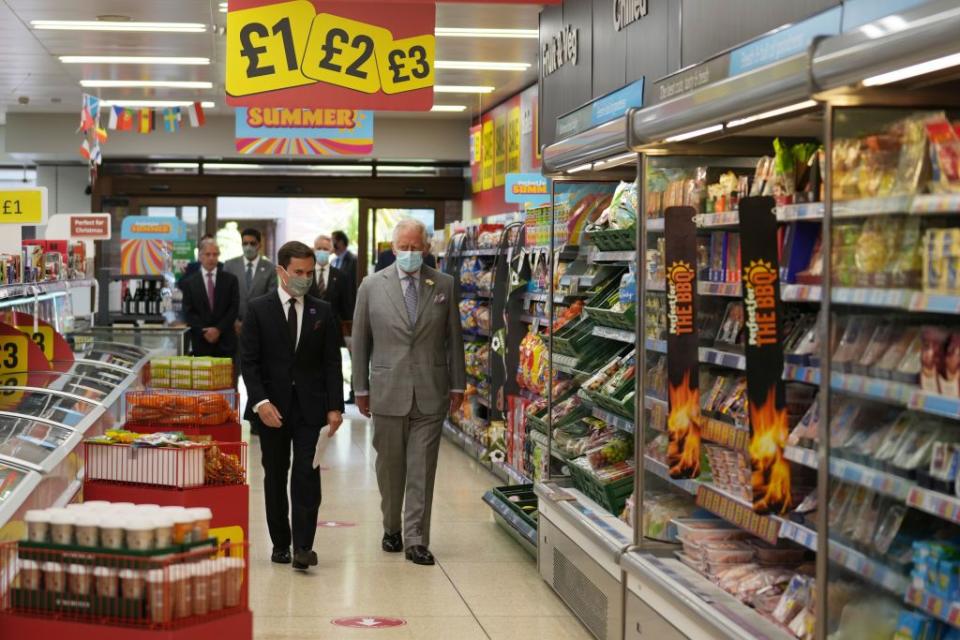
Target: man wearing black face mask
290 346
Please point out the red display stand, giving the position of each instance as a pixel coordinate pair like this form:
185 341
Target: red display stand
230 504
228 432
236 626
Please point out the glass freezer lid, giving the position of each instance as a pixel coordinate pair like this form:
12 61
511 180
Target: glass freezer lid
30 441
115 347
86 386
109 357
45 404
90 369
10 479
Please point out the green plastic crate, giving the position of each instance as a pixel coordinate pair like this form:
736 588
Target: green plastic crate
574 339
611 496
614 239
526 498
625 320
620 406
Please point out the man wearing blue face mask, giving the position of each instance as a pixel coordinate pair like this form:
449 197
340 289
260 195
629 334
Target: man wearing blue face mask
329 283
408 372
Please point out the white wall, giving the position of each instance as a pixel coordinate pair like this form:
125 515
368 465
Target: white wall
38 137
66 185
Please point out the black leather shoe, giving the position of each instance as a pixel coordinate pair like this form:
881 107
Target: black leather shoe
419 554
303 559
392 542
280 556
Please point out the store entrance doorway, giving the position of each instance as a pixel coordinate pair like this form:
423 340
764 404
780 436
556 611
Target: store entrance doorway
379 219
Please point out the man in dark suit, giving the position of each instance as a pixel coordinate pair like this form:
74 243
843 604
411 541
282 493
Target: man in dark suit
291 366
387 257
344 260
329 283
211 299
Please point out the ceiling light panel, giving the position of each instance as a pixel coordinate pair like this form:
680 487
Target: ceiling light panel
459 32
448 108
146 84
474 65
133 60
105 25
158 104
462 88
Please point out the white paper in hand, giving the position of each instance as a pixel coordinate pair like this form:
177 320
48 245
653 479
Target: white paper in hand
322 443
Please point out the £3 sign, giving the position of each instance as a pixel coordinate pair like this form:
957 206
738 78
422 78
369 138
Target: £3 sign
356 55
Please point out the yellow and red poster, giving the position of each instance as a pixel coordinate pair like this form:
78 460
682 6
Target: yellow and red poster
304 132
356 55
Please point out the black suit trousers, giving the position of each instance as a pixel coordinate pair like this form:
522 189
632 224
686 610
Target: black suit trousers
304 480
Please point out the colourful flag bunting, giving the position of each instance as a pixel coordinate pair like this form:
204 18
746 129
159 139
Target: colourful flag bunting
171 119
85 149
124 119
114 118
195 112
101 134
146 121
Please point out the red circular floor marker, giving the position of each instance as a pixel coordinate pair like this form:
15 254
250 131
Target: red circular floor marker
333 524
369 622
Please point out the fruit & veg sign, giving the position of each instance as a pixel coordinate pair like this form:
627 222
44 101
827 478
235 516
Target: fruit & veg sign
356 55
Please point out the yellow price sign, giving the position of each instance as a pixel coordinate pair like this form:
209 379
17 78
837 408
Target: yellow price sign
341 52
407 65
10 398
42 337
23 206
13 354
265 45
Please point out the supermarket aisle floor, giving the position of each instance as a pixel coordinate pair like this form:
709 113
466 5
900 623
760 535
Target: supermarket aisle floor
485 585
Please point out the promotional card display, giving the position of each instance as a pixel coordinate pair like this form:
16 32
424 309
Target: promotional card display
683 360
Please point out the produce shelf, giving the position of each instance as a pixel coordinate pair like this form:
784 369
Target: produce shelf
719 220
720 358
655 225
658 285
492 251
612 256
614 334
510 517
536 297
660 346
618 422
543 320
660 470
801 211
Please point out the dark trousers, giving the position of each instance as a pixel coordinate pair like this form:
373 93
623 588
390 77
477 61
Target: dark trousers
275 446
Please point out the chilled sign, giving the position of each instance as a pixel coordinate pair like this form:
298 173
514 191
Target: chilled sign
626 12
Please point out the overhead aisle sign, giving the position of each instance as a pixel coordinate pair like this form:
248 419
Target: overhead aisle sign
358 55
307 131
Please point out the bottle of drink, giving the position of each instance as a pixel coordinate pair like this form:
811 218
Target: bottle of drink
154 309
127 302
141 299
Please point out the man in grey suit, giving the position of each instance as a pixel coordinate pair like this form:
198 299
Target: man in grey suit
408 372
257 277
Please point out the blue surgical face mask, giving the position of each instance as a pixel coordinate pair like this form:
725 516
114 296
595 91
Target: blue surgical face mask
250 251
323 257
298 286
410 261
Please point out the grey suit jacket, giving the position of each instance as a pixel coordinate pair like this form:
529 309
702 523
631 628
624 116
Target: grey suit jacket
391 360
264 280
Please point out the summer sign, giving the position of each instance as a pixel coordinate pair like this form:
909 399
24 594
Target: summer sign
315 132
357 55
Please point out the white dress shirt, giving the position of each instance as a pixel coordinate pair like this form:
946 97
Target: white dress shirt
403 286
285 303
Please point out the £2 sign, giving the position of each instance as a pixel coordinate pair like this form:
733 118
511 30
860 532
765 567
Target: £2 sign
354 55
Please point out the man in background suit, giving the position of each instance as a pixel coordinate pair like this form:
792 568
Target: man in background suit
291 366
256 274
211 301
345 260
329 283
408 373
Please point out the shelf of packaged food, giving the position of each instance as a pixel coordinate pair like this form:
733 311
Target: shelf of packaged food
124 318
935 503
904 299
725 289
527 394
487 251
849 558
725 433
737 511
614 334
612 256
543 320
476 333
719 220
660 470
515 476
618 422
873 388
800 211
719 358
484 401
926 402
655 225
569 362
652 402
508 515
587 516
937 606
693 602
887 484
473 449
800 292
31 289
660 346
476 294
800 373
862 207
657 285
476 380
535 296
542 440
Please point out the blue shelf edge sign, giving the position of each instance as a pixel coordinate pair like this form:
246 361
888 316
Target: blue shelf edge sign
153 228
784 43
602 110
531 189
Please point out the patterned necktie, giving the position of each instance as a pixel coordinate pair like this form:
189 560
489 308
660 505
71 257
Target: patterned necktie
249 275
410 300
321 285
292 322
210 289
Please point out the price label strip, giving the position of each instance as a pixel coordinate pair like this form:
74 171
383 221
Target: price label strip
286 45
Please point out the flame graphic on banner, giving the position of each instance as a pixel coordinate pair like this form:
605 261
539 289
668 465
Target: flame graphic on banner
683 425
771 471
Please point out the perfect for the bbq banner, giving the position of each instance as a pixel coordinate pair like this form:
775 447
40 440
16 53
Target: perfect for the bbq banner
683 354
770 470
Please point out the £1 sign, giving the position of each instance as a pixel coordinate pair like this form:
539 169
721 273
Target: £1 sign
355 55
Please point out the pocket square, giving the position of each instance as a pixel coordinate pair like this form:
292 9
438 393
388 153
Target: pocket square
317 324
439 298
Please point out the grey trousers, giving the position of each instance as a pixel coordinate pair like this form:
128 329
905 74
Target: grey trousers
407 449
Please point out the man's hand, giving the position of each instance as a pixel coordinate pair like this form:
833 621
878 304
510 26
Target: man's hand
363 404
211 335
456 399
270 416
334 419
237 326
